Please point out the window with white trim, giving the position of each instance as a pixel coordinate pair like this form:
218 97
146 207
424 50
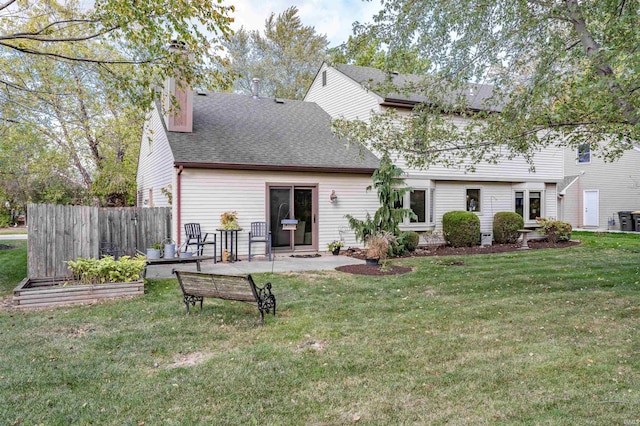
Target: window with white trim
473 200
420 201
584 154
529 204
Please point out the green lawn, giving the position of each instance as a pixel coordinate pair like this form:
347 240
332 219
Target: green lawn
535 337
13 265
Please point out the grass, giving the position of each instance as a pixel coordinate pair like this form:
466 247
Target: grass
13 265
536 337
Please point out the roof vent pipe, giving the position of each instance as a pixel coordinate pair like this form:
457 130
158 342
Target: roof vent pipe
255 85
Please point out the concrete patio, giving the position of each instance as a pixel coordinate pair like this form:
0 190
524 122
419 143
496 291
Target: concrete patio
280 263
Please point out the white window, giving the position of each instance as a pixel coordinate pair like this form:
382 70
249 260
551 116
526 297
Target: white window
420 201
584 154
473 200
529 204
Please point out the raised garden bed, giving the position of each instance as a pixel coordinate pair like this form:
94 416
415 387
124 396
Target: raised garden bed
44 292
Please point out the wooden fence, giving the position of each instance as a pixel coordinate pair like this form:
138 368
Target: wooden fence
61 233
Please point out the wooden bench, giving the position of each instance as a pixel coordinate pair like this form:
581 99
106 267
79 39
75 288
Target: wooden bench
166 261
241 288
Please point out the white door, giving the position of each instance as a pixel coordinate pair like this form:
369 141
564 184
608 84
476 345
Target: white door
591 208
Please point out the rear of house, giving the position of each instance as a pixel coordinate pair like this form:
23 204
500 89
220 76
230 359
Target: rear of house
265 159
350 92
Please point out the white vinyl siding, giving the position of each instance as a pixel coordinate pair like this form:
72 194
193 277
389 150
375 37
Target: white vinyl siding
206 194
342 97
618 185
495 197
155 162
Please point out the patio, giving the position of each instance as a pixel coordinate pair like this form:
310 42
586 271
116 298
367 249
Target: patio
280 263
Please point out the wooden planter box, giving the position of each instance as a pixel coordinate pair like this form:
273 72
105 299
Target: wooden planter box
44 292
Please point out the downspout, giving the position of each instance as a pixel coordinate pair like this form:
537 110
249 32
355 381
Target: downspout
179 206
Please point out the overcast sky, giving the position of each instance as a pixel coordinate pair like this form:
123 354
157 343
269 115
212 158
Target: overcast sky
332 18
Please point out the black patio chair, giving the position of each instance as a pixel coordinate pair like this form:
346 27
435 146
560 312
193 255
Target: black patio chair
194 238
260 234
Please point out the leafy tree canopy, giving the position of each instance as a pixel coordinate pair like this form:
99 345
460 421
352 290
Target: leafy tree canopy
561 70
140 31
285 57
76 84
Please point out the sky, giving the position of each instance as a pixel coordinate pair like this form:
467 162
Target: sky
333 18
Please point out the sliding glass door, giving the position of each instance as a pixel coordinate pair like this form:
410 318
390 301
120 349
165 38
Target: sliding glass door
293 202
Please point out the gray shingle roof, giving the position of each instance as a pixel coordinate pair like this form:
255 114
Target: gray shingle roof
238 130
566 183
376 81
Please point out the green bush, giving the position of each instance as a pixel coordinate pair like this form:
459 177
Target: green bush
107 269
555 230
505 227
410 240
461 229
5 219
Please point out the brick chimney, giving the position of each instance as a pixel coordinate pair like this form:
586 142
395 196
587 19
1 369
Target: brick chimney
177 119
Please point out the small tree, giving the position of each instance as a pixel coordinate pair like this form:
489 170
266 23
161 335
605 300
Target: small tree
391 189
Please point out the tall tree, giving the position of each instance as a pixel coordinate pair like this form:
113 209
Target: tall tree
362 50
61 30
80 80
285 57
561 70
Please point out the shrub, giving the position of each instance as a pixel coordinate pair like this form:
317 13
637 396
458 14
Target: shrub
461 229
378 245
5 219
107 270
389 184
410 240
555 230
505 227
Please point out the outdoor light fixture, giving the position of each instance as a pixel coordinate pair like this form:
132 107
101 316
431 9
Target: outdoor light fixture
333 198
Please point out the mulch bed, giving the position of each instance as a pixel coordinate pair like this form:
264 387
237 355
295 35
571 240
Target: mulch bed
443 251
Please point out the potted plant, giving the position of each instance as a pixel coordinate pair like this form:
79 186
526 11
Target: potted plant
154 251
377 247
229 221
334 247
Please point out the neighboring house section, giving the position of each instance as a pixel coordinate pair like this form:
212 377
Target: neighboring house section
155 163
595 191
266 159
351 92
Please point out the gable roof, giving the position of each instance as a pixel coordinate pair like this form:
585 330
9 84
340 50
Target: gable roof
566 184
375 80
234 131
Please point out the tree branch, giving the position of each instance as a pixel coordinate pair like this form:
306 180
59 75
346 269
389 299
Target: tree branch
73 59
7 4
35 37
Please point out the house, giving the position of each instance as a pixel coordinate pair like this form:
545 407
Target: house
595 191
352 92
266 159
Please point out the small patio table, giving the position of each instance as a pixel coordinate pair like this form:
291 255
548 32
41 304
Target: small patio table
232 236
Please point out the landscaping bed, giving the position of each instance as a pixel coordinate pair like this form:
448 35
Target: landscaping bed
443 250
45 292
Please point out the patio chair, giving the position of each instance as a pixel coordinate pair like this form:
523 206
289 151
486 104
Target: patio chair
194 238
260 234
